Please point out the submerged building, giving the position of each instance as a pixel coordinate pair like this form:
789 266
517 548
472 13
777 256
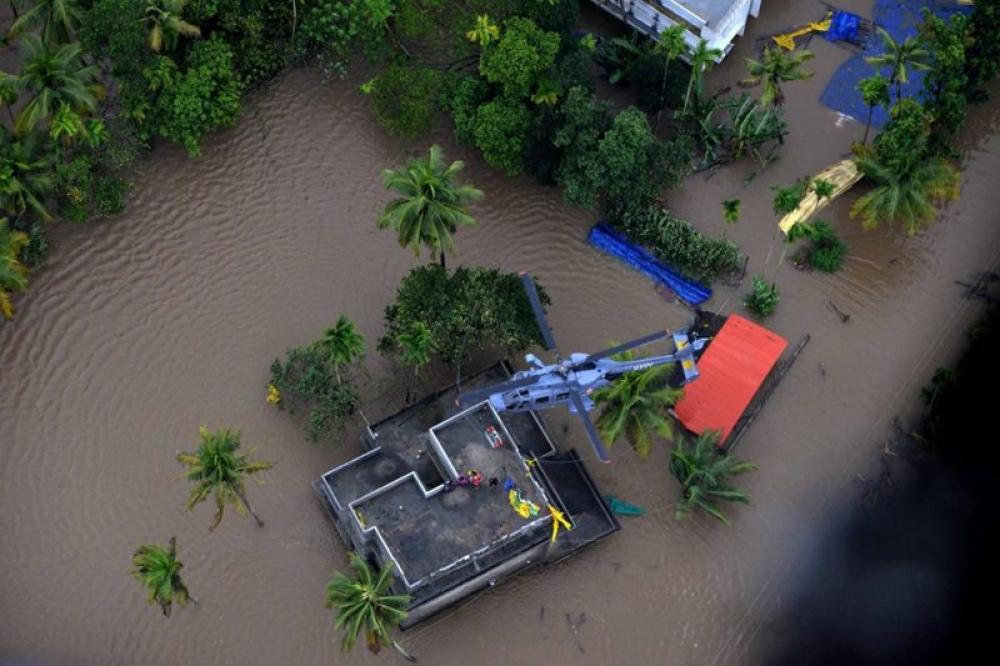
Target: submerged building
456 501
718 22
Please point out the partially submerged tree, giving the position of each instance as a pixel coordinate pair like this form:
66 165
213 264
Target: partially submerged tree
217 468
432 205
704 474
366 605
159 571
775 68
731 210
52 75
874 92
634 406
13 274
342 344
899 58
702 58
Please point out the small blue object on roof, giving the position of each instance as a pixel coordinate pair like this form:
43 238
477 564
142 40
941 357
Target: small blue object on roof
844 27
606 239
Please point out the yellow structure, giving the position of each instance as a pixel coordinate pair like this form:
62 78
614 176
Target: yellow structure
787 40
842 175
558 519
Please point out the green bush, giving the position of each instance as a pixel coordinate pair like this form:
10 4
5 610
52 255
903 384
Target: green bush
679 245
764 298
558 16
35 252
405 98
501 133
109 195
461 97
519 58
258 32
827 250
307 381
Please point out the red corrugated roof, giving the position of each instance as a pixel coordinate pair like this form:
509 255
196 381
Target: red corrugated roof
733 367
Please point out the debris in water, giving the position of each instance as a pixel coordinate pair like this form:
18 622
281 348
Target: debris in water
844 317
574 627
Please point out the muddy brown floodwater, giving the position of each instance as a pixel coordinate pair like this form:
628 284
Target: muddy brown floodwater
144 328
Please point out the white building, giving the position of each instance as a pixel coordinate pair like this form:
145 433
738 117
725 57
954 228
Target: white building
718 22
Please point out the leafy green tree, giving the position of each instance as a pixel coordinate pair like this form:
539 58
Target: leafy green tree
217 468
365 603
731 210
635 405
982 54
899 58
827 250
13 274
874 92
205 97
309 382
112 31
909 197
702 59
484 32
404 99
25 174
342 344
519 58
704 474
159 571
905 139
164 24
50 76
946 83
775 68
468 310
432 205
55 20
416 344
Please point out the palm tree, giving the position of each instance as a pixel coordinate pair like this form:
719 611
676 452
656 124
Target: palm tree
432 206
365 603
484 32
25 174
731 211
216 467
159 572
702 59
900 57
874 91
908 197
672 45
8 93
56 20
54 75
13 274
635 406
703 472
65 126
163 20
416 345
773 69
342 344
823 189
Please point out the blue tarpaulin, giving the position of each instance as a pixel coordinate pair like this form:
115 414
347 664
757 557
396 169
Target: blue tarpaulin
604 238
844 26
900 19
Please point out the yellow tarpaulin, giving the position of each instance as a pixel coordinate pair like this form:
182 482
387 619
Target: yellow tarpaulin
787 40
842 175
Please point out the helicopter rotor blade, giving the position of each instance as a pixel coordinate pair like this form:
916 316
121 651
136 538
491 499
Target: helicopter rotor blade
536 306
638 342
478 395
588 425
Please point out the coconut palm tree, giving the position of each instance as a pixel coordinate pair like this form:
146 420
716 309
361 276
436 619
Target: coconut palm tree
66 126
365 603
731 211
874 92
900 58
702 59
13 274
416 345
8 93
25 174
162 19
671 45
635 406
159 572
55 20
432 206
774 68
216 468
50 76
342 344
703 472
823 189
909 197
484 32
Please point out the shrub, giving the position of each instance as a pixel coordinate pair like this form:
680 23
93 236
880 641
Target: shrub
558 16
764 298
33 253
678 244
307 381
109 195
404 99
501 132
827 248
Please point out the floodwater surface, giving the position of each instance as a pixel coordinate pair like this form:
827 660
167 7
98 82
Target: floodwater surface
143 328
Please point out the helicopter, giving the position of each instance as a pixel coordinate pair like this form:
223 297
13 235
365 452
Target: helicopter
570 381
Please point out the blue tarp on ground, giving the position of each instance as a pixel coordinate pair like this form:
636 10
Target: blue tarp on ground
900 19
844 26
604 238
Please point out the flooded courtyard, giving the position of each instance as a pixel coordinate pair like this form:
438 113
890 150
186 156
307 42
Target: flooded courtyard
143 328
